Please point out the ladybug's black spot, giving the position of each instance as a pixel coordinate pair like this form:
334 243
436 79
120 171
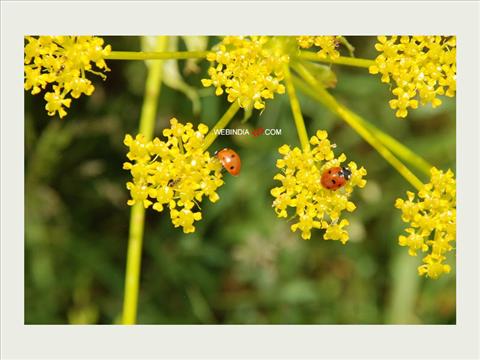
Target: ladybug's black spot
232 167
330 171
233 155
333 181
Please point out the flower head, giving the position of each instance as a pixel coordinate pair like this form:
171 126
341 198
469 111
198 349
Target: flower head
421 67
432 220
248 68
62 61
328 45
315 207
175 173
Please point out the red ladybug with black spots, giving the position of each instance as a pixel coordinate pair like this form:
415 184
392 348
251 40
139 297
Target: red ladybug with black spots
230 161
335 177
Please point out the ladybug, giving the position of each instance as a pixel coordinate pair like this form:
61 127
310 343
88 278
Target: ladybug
335 177
230 161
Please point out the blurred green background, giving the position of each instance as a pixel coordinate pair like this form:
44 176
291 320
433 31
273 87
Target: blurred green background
243 265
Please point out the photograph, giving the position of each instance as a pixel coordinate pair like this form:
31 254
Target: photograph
233 180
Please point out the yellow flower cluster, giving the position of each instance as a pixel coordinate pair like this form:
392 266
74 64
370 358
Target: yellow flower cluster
62 61
422 67
248 68
315 206
432 221
328 45
176 173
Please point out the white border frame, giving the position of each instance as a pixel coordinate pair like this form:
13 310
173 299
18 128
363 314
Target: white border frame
235 17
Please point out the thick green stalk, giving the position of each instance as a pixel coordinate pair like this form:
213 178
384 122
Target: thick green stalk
224 121
404 289
318 92
297 112
342 60
137 215
160 55
134 257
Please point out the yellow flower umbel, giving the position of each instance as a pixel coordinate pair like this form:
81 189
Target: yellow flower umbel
63 61
315 207
328 45
175 173
248 68
421 67
432 221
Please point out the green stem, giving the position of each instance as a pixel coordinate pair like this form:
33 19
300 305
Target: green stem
399 149
343 40
137 215
160 55
297 112
224 121
342 60
404 289
318 92
134 257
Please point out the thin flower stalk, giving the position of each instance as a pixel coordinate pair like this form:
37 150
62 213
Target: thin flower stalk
137 216
341 60
403 152
296 111
160 55
224 121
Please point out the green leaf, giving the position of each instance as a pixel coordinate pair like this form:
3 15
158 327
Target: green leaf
172 78
171 72
322 73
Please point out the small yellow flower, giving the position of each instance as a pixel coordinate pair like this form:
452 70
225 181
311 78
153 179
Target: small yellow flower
328 45
56 102
248 69
175 173
421 68
314 206
63 62
432 220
